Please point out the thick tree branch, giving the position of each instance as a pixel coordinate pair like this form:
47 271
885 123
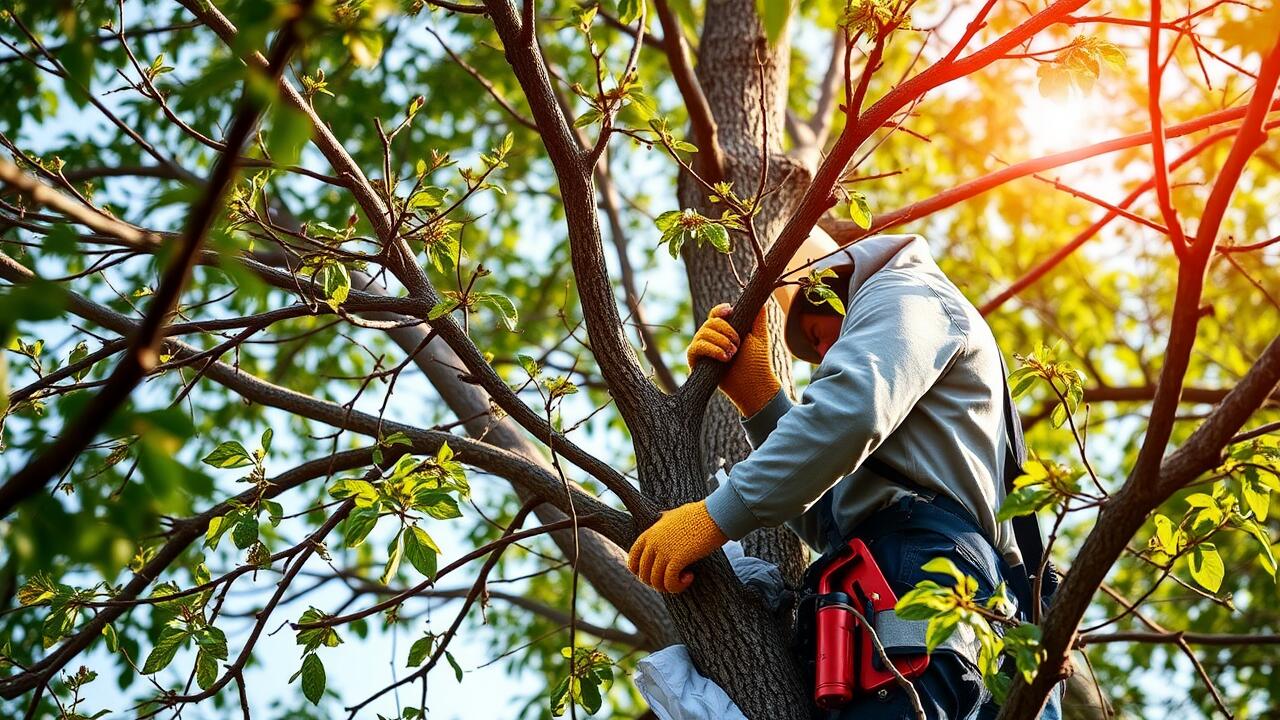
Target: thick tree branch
635 395
711 158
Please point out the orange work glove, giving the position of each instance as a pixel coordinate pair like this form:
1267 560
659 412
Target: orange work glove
680 538
750 382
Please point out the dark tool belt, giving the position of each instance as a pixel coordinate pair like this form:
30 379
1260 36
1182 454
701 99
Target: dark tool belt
827 657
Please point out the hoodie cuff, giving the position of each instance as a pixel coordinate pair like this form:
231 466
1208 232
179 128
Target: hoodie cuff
730 513
759 426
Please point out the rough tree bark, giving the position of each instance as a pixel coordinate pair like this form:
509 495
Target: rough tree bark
749 111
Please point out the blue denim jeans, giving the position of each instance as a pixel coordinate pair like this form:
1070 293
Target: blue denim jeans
902 538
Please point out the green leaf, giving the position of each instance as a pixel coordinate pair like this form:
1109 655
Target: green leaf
1257 498
437 504
629 10
589 694
1166 536
265 442
457 669
529 365
1021 381
1201 500
668 219
940 627
395 551
275 512
206 670
363 491
589 117
335 283
643 105
213 641
428 197
859 209
1206 566
420 649
38 589
312 638
421 551
559 699
1023 642
944 566
170 640
1024 501
218 527
359 524
718 236
112 640
227 455
313 678
924 601
245 532
504 306
78 353
442 308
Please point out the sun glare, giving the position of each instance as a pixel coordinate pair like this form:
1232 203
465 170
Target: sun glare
1054 125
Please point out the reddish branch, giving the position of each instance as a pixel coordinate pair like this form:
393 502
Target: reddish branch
1042 268
846 231
1154 478
1154 72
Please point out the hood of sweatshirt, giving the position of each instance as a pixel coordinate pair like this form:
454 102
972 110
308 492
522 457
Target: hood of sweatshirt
860 261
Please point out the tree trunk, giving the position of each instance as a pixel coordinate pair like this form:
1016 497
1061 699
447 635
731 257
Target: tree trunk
733 639
732 54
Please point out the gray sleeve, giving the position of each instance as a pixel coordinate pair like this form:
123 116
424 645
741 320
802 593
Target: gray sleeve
759 426
896 341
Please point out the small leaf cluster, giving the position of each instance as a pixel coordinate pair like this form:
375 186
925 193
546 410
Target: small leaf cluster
681 226
243 520
470 299
956 608
1042 483
875 18
1209 512
423 648
664 137
66 605
188 624
414 489
312 639
590 672
1066 382
1077 67
817 292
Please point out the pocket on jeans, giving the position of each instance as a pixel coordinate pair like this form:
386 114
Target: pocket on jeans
902 555
910 550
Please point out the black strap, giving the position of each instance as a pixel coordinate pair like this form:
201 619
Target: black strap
1026 528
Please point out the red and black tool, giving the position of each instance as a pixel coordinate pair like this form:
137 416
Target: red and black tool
847 660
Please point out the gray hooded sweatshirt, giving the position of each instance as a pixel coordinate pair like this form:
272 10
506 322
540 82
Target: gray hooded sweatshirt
915 378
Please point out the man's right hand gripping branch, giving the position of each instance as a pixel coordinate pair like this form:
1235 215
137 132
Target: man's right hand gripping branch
686 534
750 382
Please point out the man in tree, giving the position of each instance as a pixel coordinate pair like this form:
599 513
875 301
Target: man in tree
903 440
